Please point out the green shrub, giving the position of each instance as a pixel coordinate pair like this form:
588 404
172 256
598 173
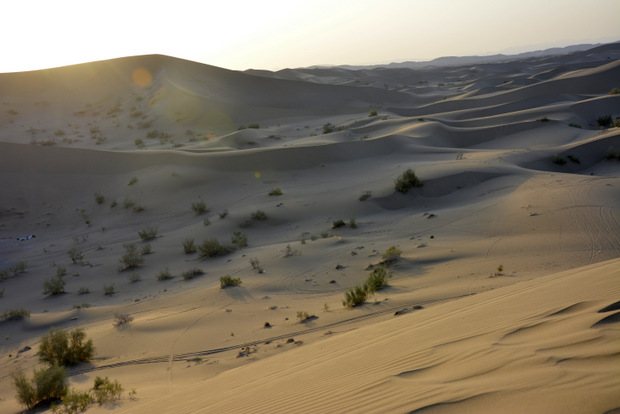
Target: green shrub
354 297
338 223
148 233
152 134
259 215
406 181
122 319
13 270
134 277
164 274
99 198
228 281
614 91
47 384
276 192
612 153
328 128
83 291
302 316
365 195
558 160
391 255
132 258
64 348
377 279
54 286
256 265
146 249
604 120
139 142
15 314
255 126
199 207
573 159
191 273
109 289
372 113
133 181
188 246
239 239
543 119
106 391
76 255
574 125
212 248
74 402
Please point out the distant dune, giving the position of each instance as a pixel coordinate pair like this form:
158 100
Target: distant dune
502 298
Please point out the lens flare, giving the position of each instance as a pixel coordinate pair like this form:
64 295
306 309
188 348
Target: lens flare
141 77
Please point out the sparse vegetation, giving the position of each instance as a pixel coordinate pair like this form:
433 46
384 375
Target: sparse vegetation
612 153
139 142
54 286
256 265
254 126
213 248
192 273
146 249
76 255
133 181
47 384
302 316
604 120
558 160
574 125
391 255
15 314
352 223
291 252
188 246
199 207
365 195
99 198
63 348
13 270
164 274
543 119
573 159
148 233
275 192
407 181
106 390
354 297
134 277
377 279
259 215
239 239
614 91
122 319
109 289
132 258
228 281
338 223
372 113
83 290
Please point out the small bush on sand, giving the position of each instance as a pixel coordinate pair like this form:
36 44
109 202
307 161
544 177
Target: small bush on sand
133 181
574 125
109 289
192 273
148 233
391 255
558 160
573 159
354 297
407 181
604 120
612 153
134 277
199 207
64 348
372 113
76 255
164 274
146 249
302 316
259 215
188 246
239 239
338 223
106 391
54 286
377 279
228 281
74 402
99 198
132 257
15 314
365 195
122 319
543 119
276 192
213 248
46 385
614 91
256 265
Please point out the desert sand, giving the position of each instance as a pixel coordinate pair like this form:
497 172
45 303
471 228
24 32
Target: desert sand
510 250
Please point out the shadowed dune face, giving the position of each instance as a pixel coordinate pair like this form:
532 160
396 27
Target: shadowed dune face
520 165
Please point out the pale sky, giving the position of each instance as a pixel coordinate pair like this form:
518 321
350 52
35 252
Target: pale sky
276 34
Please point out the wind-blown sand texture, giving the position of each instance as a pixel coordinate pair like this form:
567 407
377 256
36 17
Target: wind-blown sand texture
451 333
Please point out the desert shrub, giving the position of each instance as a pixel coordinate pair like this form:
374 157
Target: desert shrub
239 239
99 198
558 160
74 402
543 119
614 91
377 279
604 120
199 207
255 126
109 289
191 273
256 265
573 159
13 270
83 291
612 153
259 215
188 246
64 348
289 251
134 277
372 113
302 316
54 286
59 132
46 384
122 319
106 391
133 181
352 223
127 203
15 314
276 192
164 274
324 234
213 248
132 258
338 223
146 249
407 181
574 125
139 143
391 255
228 281
75 255
148 233
152 134
61 271
365 195
328 128
354 297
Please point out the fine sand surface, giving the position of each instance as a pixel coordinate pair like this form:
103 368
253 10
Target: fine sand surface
450 333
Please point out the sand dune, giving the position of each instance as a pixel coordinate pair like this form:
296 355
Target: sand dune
517 170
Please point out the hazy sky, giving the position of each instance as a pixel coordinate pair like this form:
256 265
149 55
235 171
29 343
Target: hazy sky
275 34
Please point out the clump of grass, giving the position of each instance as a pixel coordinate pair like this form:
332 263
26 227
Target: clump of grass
213 248
558 160
133 181
164 274
109 289
188 246
15 314
192 273
121 319
614 91
612 153
83 290
338 223
148 233
254 126
303 316
352 223
573 159
354 297
239 239
199 207
54 286
146 249
365 195
377 279
106 391
256 265
543 119
134 277
391 255
604 120
407 181
291 252
132 257
99 198
228 281
75 255
259 215
372 113
276 192
574 125
13 270
139 142
46 384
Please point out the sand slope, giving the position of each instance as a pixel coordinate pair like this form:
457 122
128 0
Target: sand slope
154 134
